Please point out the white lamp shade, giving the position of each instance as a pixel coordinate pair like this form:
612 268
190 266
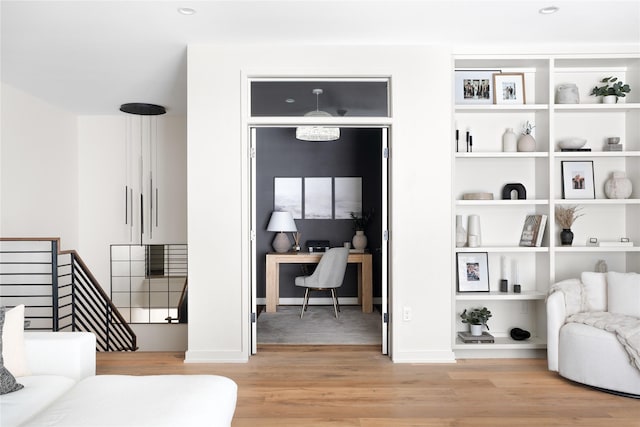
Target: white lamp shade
281 221
317 133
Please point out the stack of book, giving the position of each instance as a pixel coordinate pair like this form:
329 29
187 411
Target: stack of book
533 230
466 338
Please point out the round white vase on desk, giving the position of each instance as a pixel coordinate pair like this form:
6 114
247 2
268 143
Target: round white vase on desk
526 143
618 186
610 99
359 240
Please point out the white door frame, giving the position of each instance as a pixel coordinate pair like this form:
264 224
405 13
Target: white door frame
249 126
384 156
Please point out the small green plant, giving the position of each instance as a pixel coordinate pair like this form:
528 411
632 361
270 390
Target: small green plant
527 128
611 87
476 316
360 221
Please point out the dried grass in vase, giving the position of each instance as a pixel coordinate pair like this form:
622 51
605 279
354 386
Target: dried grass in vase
566 216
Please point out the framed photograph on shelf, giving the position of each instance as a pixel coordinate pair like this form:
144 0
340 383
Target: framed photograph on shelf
577 180
474 86
473 272
508 88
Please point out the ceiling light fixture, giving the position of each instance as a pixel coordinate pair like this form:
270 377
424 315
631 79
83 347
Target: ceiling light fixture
317 133
141 163
186 11
548 10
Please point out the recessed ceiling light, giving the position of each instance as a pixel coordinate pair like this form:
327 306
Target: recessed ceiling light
549 10
186 11
289 100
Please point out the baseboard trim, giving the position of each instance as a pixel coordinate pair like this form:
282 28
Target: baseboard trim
318 301
195 356
442 356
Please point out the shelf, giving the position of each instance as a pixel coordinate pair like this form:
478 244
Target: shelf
500 296
488 168
596 154
596 249
503 155
504 249
599 108
503 343
597 201
500 108
500 202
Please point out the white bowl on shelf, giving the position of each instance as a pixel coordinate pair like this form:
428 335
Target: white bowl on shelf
572 143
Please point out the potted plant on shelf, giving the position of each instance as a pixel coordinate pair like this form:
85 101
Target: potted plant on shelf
566 216
526 141
611 90
476 318
360 222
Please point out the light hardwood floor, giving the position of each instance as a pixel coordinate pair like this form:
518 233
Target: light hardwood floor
357 386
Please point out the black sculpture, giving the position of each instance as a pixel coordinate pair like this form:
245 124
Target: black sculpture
517 187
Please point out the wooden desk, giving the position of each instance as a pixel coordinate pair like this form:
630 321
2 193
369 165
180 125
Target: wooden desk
365 275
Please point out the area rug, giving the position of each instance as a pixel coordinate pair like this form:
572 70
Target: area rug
319 326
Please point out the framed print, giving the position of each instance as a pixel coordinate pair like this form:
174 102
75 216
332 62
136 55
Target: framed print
474 87
287 195
318 198
347 197
577 180
473 272
508 88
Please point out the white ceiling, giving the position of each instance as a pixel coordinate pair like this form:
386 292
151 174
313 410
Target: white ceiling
90 56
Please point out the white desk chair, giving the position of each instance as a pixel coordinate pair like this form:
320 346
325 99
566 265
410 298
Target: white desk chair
328 275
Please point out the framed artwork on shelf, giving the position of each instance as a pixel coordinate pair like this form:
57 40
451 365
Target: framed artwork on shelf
474 86
473 272
577 180
508 88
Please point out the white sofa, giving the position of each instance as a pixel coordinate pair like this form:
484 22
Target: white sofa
63 390
590 331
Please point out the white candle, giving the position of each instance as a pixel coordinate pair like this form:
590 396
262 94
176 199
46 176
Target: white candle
504 261
515 272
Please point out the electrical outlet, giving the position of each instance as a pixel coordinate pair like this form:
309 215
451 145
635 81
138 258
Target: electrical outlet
406 314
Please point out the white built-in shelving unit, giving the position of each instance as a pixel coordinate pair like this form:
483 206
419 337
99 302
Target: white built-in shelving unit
488 169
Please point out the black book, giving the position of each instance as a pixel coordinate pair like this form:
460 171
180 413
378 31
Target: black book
575 149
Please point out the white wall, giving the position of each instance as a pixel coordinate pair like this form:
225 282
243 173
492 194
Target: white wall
420 245
39 169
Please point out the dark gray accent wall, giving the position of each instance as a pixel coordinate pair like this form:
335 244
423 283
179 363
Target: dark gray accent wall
358 153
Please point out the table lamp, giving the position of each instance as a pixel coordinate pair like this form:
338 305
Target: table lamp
281 222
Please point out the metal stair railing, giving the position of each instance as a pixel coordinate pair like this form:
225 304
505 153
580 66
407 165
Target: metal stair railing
60 293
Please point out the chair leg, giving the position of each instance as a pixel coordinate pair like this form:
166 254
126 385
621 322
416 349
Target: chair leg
336 306
305 302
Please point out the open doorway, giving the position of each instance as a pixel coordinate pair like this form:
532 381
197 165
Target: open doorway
315 176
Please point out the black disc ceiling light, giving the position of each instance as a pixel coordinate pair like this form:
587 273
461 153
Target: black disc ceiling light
141 168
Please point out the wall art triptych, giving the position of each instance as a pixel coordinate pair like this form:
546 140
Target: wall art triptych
324 197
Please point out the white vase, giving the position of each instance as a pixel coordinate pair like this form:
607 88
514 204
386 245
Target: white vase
473 231
618 186
461 233
476 330
359 240
567 93
509 141
526 143
610 99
